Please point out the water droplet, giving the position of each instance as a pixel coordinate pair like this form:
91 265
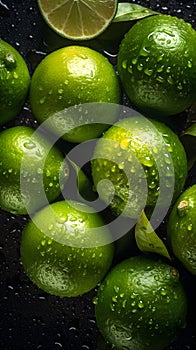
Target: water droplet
95 300
140 66
15 75
160 69
42 100
170 149
134 60
29 145
160 79
121 166
163 292
133 295
116 289
148 71
189 65
112 307
50 227
170 80
179 86
147 161
144 51
114 299
156 278
190 227
160 58
124 64
140 304
124 303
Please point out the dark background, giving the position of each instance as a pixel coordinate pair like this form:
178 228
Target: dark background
29 318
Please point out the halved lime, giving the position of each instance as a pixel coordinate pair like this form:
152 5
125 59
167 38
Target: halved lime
78 19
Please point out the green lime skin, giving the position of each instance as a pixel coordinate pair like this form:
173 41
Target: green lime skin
157 65
137 156
141 304
60 252
181 229
28 163
14 82
73 76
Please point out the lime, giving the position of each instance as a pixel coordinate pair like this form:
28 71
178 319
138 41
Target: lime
141 304
14 82
61 253
30 159
78 19
72 76
138 162
157 65
181 229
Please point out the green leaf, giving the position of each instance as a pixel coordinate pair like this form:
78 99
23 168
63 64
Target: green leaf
84 185
131 12
188 139
126 16
147 239
191 130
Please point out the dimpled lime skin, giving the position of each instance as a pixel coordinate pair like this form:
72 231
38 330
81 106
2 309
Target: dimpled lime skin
157 65
14 82
141 305
140 150
28 159
181 229
53 252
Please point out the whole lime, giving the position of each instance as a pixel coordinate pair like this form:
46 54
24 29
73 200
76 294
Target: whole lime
138 163
157 65
14 82
73 76
181 229
61 252
28 162
141 304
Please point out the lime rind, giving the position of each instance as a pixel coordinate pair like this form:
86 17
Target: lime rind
78 19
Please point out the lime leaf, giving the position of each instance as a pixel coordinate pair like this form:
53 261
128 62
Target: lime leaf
147 239
188 139
126 16
191 131
83 183
131 12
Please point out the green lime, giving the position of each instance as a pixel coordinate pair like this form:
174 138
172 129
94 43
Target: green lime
14 82
78 20
28 160
181 229
157 65
73 76
141 304
61 252
138 162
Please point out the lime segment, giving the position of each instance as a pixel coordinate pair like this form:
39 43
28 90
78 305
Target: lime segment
78 19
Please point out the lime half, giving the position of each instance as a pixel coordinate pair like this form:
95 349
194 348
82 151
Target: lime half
78 19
